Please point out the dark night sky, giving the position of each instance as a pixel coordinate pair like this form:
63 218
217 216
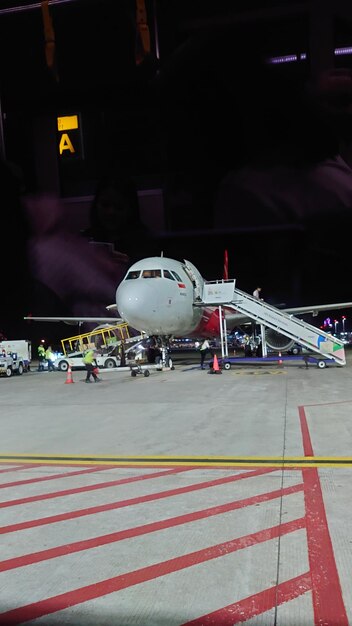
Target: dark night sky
209 110
210 101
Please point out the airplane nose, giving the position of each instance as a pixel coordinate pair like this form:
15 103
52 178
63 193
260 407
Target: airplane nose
132 298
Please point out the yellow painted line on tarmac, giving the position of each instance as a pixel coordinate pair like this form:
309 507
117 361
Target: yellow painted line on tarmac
198 461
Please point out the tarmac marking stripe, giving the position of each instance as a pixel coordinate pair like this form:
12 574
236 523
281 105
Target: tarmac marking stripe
52 553
329 608
256 604
328 603
307 443
106 485
329 403
39 479
197 461
18 468
123 581
122 503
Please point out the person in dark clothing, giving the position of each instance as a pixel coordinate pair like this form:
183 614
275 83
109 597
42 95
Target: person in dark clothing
153 350
41 358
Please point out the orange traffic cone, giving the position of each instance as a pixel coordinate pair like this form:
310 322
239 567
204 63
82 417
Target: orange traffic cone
280 359
69 380
216 369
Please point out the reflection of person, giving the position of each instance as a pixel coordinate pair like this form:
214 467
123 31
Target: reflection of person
262 196
72 277
54 271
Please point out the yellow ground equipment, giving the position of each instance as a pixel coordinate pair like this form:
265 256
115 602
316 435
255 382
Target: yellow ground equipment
106 336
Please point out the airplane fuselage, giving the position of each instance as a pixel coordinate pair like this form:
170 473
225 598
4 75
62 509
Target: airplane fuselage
157 297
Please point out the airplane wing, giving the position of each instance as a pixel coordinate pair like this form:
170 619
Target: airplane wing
77 320
231 316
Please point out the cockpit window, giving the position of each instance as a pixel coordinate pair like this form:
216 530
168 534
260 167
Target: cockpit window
132 275
151 274
177 277
168 274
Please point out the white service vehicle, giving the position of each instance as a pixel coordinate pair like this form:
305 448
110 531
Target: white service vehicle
11 364
75 360
20 347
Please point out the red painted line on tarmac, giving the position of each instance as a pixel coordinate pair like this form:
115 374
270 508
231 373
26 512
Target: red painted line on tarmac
88 544
307 444
17 468
329 608
328 605
95 487
60 517
329 403
256 604
144 574
39 479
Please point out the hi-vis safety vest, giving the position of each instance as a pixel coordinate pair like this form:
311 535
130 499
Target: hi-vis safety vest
41 351
89 357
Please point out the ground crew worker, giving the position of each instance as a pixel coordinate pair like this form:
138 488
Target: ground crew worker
203 348
49 355
90 363
41 358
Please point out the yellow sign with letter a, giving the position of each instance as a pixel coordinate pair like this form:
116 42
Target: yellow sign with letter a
70 140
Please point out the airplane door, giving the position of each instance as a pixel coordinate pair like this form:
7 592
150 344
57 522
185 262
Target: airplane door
196 279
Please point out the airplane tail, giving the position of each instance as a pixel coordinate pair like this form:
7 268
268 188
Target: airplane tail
226 266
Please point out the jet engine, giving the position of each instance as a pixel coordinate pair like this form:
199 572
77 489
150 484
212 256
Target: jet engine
277 341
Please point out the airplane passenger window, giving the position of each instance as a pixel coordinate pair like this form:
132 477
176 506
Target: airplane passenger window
168 274
132 275
177 277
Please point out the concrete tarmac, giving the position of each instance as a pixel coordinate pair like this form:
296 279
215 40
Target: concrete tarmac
181 498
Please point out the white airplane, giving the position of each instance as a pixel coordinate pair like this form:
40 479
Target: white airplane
158 296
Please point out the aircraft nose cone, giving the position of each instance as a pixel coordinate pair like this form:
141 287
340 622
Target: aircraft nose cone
132 298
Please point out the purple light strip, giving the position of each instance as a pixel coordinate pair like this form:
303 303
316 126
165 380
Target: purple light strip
343 51
289 58
292 58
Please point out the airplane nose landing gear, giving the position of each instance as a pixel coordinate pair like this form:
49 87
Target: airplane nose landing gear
164 360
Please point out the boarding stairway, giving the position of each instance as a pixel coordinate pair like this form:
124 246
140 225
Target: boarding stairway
224 293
